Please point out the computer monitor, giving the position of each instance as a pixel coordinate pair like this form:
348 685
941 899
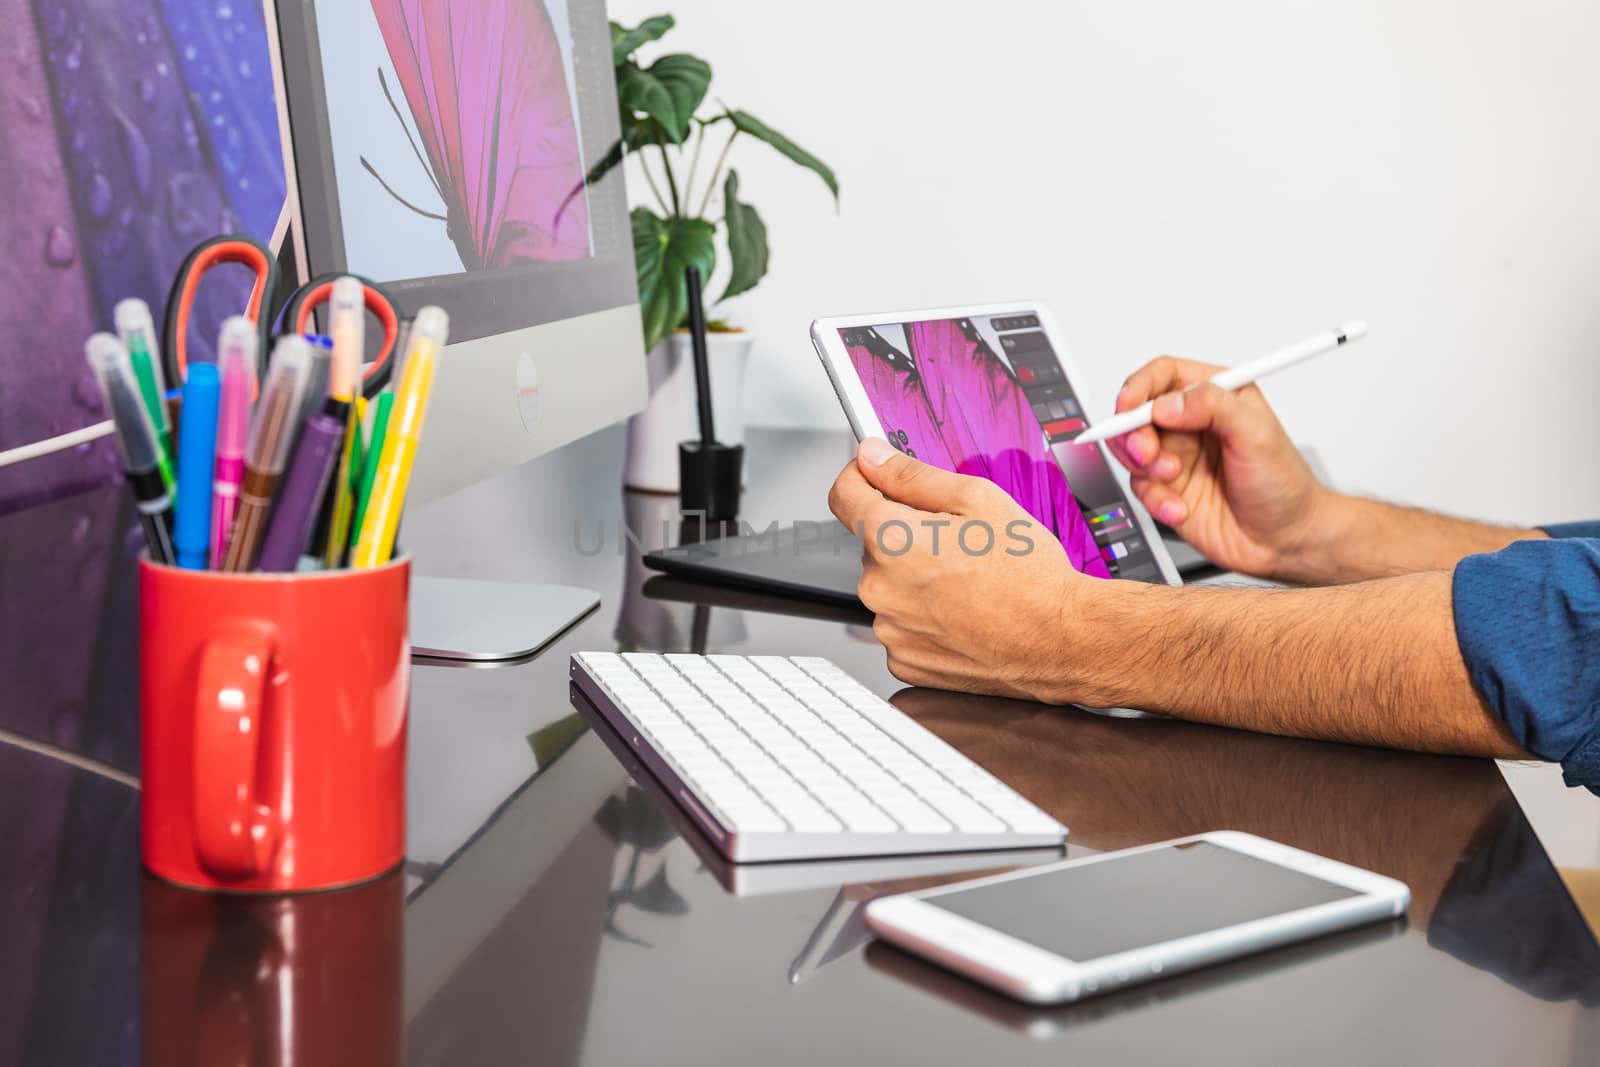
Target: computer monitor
441 150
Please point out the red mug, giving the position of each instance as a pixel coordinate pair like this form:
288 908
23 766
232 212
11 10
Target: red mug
272 726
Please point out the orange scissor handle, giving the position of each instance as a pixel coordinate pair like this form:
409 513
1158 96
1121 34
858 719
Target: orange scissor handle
208 254
318 291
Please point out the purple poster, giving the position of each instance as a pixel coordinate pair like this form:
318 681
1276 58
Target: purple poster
132 129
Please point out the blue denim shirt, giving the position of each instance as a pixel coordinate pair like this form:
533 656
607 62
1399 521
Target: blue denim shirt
1528 623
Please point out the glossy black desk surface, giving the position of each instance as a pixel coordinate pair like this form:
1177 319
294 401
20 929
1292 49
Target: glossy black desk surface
551 913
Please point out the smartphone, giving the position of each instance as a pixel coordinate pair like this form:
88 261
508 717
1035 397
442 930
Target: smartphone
1064 931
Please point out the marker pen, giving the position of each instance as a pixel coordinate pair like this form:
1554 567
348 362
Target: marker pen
138 334
316 391
268 449
296 509
330 403
369 467
376 543
136 441
347 320
236 363
197 454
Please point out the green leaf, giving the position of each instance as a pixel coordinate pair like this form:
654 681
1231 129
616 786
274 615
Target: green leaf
662 248
624 42
747 240
745 122
668 91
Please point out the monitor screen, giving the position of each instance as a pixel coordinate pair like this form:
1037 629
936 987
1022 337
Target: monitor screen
985 395
442 150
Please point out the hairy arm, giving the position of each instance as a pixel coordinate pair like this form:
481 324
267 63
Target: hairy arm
1375 663
1354 539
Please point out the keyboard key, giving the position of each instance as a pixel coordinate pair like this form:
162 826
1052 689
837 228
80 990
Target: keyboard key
868 821
818 822
758 821
1035 823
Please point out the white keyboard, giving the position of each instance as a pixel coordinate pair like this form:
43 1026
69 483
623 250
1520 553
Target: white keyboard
790 758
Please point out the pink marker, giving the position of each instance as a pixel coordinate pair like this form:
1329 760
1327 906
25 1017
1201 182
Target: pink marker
236 363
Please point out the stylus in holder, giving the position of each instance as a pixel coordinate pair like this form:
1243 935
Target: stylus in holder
709 472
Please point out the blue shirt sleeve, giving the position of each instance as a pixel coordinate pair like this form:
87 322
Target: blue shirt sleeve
1528 623
1573 529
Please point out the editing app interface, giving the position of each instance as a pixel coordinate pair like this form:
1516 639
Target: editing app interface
985 396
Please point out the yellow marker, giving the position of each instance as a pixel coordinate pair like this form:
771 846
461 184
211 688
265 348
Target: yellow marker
347 323
376 544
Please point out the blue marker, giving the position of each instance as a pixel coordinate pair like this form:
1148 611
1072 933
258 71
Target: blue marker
197 448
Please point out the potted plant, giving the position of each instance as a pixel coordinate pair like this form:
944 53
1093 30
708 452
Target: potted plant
660 124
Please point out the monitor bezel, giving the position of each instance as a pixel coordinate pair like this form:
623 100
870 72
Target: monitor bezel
481 303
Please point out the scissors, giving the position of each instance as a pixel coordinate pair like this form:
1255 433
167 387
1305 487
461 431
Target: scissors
264 308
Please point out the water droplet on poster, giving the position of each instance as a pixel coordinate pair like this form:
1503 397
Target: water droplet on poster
136 151
98 197
60 250
183 206
86 394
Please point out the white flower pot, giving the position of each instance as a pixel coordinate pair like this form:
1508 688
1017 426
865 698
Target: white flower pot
671 414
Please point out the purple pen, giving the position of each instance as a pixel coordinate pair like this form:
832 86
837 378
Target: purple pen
300 494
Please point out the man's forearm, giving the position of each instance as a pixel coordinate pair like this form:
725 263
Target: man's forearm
1375 663
1354 539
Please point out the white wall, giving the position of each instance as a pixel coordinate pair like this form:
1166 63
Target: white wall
1208 179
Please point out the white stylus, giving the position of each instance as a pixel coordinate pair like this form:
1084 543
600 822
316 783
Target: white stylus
1232 378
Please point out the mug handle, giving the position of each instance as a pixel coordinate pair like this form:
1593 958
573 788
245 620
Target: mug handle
235 836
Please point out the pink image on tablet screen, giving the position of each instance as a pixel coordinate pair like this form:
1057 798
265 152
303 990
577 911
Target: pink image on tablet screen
950 401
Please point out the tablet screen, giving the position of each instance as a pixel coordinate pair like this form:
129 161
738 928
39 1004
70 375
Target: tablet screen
986 396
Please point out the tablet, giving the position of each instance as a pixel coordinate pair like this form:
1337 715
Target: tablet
989 391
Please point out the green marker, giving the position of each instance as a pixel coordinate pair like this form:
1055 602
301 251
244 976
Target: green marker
138 335
369 470
358 445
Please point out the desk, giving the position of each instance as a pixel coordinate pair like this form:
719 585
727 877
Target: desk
553 913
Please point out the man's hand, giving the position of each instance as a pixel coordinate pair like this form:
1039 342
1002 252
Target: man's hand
1218 468
970 593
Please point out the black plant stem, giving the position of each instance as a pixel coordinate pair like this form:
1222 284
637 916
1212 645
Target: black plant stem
702 369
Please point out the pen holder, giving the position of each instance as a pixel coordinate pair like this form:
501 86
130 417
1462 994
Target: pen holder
709 476
272 726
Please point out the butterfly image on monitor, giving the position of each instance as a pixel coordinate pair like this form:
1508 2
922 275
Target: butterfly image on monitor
487 90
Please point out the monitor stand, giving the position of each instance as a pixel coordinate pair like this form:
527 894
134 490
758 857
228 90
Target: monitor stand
484 622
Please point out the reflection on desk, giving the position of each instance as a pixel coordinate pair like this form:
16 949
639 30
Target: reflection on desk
1044 1024
1446 826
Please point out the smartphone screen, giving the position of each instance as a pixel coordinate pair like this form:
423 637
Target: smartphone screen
985 395
1099 909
